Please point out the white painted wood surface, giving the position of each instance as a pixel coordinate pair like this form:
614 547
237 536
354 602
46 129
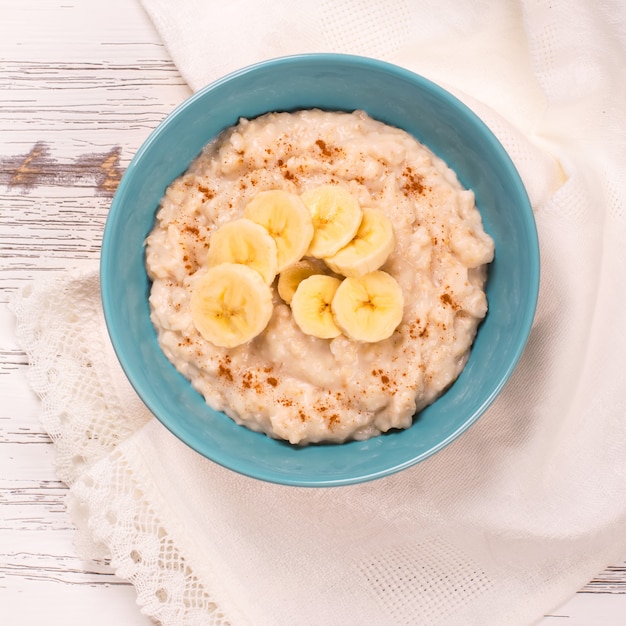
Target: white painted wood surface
82 83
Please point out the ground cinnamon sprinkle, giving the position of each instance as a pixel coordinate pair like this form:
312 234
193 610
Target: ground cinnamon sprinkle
191 230
333 420
225 372
384 378
208 193
321 144
287 174
326 150
250 381
447 299
413 182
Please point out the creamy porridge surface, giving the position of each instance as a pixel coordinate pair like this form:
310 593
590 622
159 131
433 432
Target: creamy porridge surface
294 386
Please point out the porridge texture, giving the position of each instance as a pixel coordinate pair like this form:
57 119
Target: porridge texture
284 382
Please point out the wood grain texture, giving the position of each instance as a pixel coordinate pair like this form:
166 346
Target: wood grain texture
81 87
82 84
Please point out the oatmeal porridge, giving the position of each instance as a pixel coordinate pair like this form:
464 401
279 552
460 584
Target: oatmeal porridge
299 375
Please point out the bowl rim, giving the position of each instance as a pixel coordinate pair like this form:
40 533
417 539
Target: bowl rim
373 64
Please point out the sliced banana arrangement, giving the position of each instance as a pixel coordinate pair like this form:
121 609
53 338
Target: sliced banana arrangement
292 276
231 304
286 219
311 306
327 252
368 249
336 216
248 243
369 307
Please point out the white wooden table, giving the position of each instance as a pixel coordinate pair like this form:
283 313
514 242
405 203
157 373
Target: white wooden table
81 86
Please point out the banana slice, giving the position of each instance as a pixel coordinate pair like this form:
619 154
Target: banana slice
231 304
336 218
292 276
246 242
368 308
286 219
369 249
311 306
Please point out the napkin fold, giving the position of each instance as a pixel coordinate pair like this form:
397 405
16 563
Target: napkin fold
499 527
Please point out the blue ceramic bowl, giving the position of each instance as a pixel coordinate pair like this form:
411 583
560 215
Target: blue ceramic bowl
338 82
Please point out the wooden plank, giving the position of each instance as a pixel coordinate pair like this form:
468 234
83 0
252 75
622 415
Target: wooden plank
80 90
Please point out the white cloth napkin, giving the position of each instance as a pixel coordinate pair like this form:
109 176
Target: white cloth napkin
498 528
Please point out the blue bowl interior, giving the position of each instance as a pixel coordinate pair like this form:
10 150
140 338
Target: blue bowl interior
335 82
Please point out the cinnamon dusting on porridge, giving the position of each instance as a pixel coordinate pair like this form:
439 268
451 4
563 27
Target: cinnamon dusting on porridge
324 376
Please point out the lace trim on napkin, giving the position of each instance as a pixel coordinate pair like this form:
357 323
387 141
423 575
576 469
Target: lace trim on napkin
88 410
110 506
60 327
